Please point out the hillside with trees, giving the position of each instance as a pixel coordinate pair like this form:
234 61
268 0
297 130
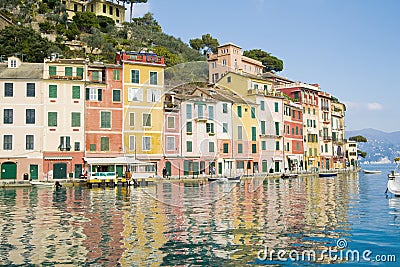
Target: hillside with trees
41 28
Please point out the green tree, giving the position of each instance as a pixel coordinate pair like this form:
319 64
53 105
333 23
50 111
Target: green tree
106 24
206 44
170 59
26 41
362 154
271 63
86 21
94 40
358 138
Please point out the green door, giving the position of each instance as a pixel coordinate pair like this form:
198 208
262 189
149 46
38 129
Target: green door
219 167
119 170
34 171
8 170
276 166
264 166
168 167
78 170
60 171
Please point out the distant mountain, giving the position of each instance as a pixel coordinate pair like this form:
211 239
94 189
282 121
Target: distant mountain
380 144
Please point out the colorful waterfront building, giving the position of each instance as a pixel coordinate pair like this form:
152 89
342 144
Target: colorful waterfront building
143 88
104 113
325 130
293 135
229 58
21 109
352 153
172 134
307 96
268 113
64 83
338 133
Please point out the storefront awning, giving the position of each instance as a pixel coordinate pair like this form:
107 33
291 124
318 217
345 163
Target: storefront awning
116 160
292 157
58 158
277 158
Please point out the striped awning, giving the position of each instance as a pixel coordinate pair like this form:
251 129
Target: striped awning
58 158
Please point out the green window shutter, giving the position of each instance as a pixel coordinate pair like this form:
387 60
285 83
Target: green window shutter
277 128
262 105
277 145
239 111
116 75
87 94
105 119
153 78
76 92
210 112
79 72
105 144
189 127
253 148
297 130
95 75
263 145
52 70
189 146
99 94
253 134
92 147
253 112
68 71
262 127
52 119
240 148
135 76
276 107
225 108
52 91
226 148
116 95
75 119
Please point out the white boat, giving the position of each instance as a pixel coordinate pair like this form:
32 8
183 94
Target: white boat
42 183
371 171
393 185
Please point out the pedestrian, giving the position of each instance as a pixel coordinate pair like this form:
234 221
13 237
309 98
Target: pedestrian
164 172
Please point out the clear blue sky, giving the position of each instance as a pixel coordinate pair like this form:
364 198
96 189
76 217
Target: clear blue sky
350 47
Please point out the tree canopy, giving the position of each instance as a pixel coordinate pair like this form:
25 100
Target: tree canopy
205 44
358 138
271 63
26 41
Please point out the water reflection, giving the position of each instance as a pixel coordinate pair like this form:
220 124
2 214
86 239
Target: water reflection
173 224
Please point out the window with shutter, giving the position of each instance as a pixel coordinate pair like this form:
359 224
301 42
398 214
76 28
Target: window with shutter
105 119
52 119
52 91
76 92
75 119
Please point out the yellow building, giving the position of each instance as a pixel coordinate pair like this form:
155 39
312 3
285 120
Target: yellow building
99 7
143 83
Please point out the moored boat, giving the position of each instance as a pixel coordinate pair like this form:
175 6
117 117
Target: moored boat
371 171
42 183
393 184
327 174
236 178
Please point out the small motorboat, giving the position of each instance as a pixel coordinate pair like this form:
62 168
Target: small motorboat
372 171
328 174
42 183
393 185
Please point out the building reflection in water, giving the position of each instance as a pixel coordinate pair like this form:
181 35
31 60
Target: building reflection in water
172 223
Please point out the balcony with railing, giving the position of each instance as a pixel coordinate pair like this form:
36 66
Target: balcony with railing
171 107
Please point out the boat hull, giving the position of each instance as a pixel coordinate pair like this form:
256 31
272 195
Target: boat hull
328 174
393 186
371 172
42 184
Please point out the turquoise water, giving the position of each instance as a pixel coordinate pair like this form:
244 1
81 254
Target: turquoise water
195 224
